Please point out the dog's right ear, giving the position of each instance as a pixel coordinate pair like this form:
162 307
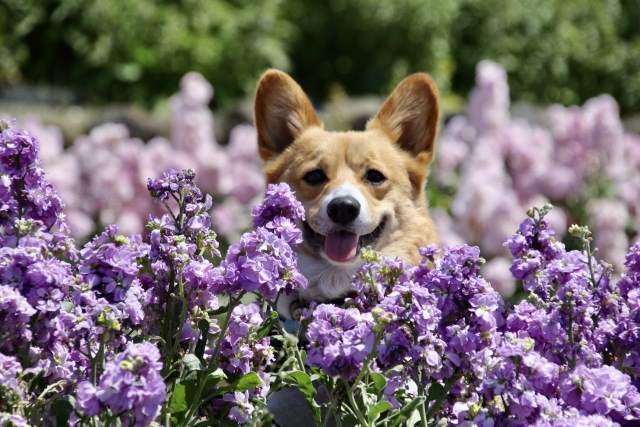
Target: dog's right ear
282 112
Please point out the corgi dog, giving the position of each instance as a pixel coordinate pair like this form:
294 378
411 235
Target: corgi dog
358 188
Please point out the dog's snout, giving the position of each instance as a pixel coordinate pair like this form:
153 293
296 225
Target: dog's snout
343 210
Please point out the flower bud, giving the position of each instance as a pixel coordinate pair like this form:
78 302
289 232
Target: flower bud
369 255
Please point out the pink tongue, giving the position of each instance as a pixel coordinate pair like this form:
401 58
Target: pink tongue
341 246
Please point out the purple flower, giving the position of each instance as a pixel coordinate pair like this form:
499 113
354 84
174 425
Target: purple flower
24 192
241 410
340 340
633 258
10 368
242 348
179 184
279 201
12 420
15 313
131 385
86 400
600 391
259 262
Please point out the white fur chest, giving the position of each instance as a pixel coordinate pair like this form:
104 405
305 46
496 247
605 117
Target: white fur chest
327 281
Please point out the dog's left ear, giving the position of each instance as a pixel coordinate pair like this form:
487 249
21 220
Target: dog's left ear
410 116
282 112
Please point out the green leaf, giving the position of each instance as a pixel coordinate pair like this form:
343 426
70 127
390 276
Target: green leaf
304 383
178 401
306 387
379 381
350 420
62 409
182 398
250 380
268 324
192 363
35 381
436 390
201 345
405 411
191 378
377 409
214 378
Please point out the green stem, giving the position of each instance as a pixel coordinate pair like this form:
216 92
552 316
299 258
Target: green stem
167 327
365 366
202 375
183 315
422 408
355 408
329 414
424 421
621 360
571 341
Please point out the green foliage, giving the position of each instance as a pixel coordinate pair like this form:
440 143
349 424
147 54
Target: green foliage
554 51
122 50
369 45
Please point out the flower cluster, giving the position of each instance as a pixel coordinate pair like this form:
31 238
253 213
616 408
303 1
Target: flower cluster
102 175
10 389
72 321
24 192
63 312
340 340
568 356
130 387
554 361
532 156
263 261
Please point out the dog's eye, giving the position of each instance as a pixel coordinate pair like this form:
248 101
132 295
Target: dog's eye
374 177
315 177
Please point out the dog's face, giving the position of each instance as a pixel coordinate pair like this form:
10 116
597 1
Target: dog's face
358 188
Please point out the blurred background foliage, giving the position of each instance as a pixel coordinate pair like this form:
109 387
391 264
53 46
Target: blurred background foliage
136 51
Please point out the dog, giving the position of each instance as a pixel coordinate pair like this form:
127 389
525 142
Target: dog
358 188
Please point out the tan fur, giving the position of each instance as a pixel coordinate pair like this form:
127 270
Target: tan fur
399 142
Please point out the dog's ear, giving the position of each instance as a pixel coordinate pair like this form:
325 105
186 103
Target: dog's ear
410 116
282 112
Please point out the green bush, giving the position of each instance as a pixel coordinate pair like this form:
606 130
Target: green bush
137 50
554 51
125 50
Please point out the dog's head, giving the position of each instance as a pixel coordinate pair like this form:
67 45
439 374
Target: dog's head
358 188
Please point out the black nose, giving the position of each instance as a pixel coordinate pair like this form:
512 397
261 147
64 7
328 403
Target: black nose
343 210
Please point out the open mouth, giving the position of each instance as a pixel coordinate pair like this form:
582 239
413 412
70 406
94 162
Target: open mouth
342 245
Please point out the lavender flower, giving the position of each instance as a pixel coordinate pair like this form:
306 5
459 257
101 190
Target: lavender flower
10 368
15 313
12 420
26 195
340 340
178 184
131 386
259 262
279 201
242 348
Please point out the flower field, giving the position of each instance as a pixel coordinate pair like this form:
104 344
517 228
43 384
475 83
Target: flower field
152 323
